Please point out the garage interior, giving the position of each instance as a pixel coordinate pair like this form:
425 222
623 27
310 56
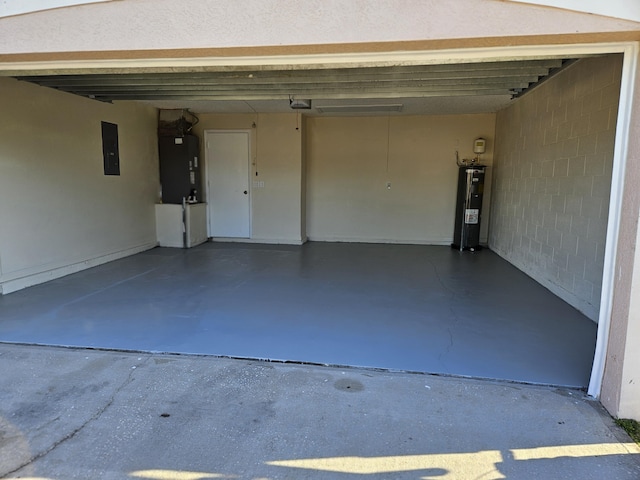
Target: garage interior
352 205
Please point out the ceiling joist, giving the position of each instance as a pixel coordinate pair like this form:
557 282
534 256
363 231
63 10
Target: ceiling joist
507 78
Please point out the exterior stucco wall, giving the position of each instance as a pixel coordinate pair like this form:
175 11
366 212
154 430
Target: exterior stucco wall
161 24
629 406
610 8
620 392
19 8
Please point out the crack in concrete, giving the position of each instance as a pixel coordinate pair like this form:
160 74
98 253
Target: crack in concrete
447 350
456 318
77 430
440 279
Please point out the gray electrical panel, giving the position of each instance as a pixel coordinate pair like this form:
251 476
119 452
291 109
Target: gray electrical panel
180 169
110 150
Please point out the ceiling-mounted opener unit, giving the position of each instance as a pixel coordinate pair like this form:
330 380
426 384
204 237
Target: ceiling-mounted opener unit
299 103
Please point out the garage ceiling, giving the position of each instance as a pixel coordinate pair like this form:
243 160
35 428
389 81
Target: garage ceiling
455 88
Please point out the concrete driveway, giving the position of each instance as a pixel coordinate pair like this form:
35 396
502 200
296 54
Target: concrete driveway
74 413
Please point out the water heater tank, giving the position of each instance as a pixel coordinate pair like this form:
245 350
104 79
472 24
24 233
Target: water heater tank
466 235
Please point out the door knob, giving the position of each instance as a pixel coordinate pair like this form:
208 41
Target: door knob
245 192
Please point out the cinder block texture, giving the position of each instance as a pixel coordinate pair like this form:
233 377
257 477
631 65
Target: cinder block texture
552 179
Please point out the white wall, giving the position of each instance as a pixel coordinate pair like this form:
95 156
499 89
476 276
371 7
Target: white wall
350 160
553 163
59 212
341 194
276 152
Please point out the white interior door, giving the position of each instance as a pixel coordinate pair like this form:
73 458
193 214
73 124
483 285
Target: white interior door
228 196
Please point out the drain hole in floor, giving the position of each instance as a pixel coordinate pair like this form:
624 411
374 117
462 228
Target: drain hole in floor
349 385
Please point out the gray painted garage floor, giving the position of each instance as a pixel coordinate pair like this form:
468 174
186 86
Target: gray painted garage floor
399 307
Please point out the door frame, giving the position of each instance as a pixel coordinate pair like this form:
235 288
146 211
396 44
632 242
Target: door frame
206 134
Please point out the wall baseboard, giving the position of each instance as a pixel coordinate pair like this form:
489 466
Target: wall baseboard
590 311
267 241
35 278
405 241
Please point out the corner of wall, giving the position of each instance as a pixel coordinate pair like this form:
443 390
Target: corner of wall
56 185
552 180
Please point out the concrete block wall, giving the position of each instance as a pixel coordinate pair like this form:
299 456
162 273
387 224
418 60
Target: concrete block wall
552 177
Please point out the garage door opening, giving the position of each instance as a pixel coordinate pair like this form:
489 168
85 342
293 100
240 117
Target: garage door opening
414 308
498 205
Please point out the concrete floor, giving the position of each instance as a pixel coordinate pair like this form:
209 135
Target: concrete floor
80 414
409 308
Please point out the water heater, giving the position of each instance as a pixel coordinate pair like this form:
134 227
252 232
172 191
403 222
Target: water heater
466 235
